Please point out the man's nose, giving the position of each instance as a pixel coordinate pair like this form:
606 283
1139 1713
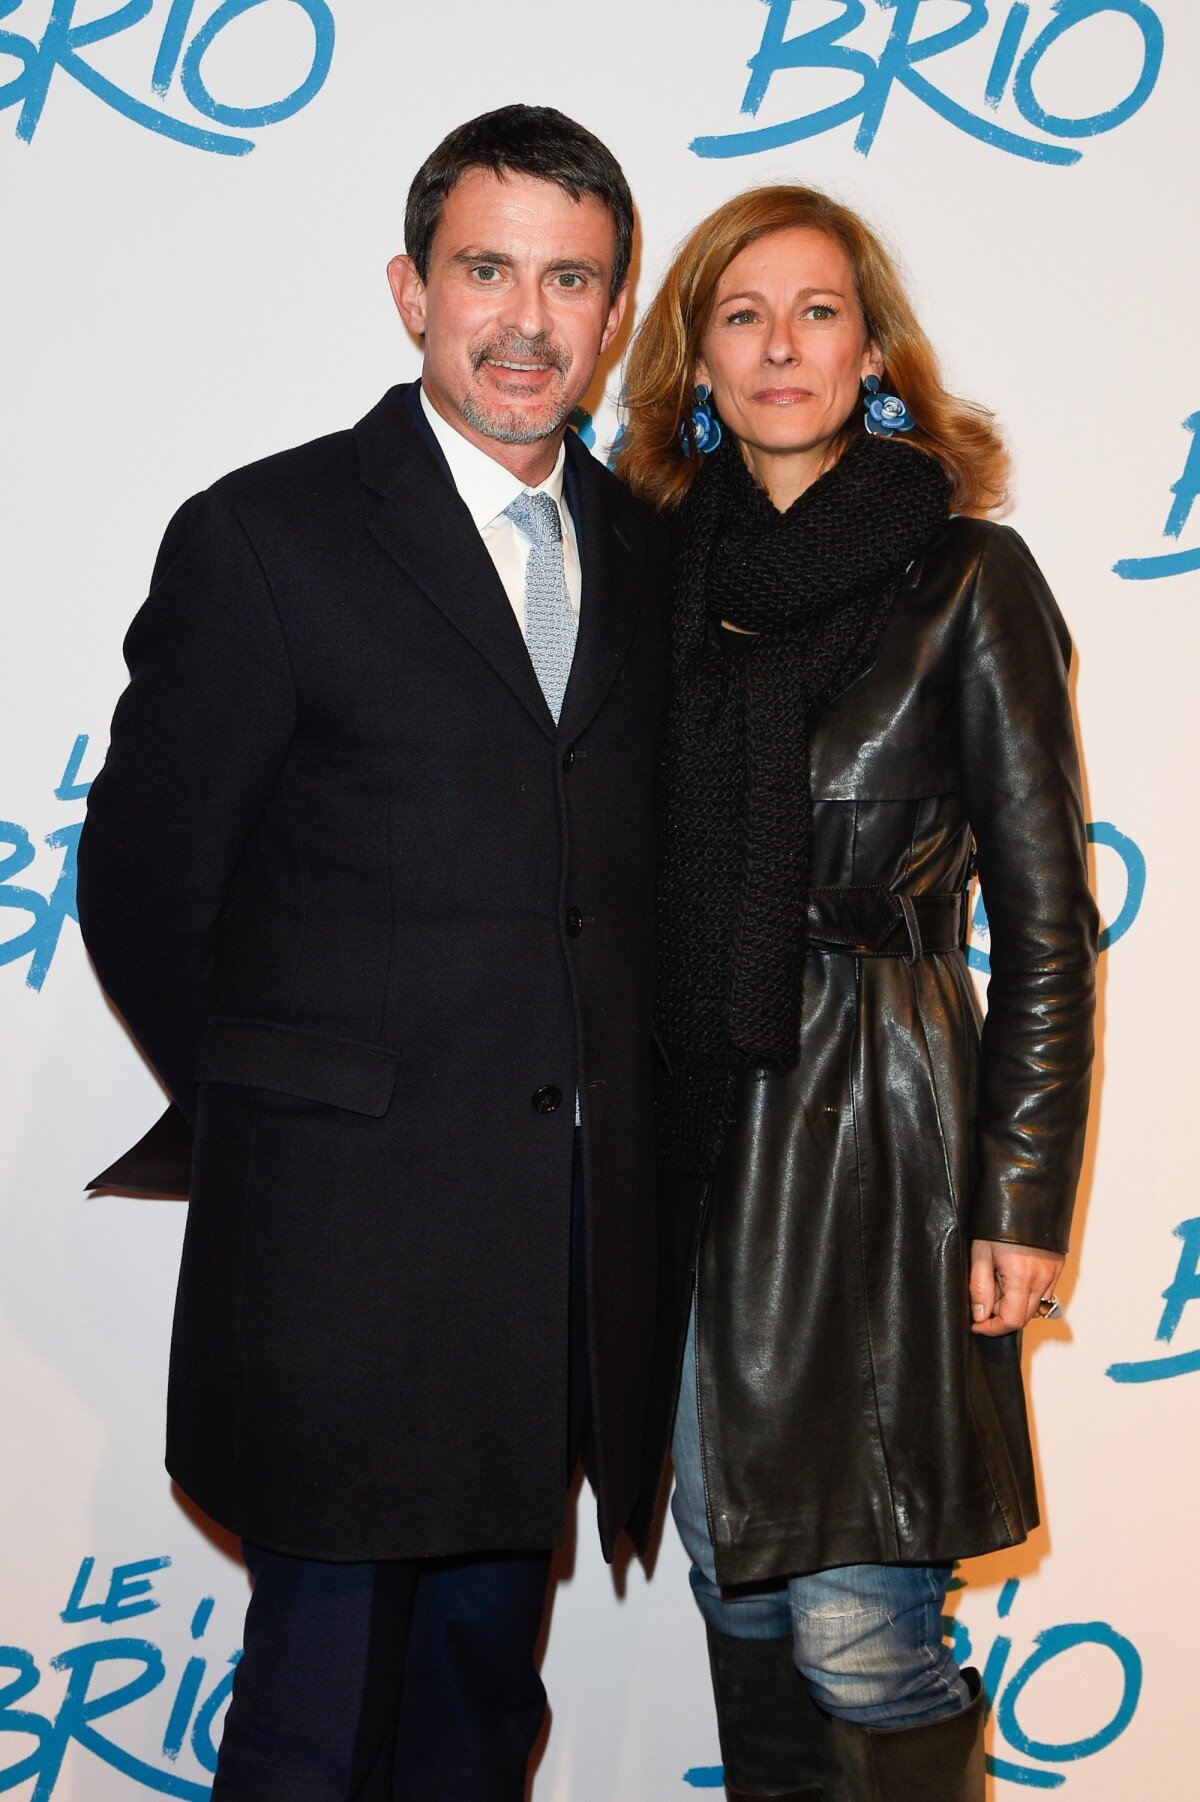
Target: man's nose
527 311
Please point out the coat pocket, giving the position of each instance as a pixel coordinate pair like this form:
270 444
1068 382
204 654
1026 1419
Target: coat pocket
292 1060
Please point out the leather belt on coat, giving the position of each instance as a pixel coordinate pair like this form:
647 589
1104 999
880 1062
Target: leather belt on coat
873 921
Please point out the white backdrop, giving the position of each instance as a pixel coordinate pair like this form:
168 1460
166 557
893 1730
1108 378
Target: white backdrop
193 276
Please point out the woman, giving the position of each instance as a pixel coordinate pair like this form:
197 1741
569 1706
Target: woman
864 1203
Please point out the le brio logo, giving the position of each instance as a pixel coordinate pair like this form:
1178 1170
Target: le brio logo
118 1689
36 936
1002 74
172 41
1182 1290
1185 491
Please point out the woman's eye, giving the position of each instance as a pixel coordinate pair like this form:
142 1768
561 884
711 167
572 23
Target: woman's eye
743 316
821 311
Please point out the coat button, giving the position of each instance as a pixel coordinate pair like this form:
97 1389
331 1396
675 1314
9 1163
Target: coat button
569 760
545 1100
573 922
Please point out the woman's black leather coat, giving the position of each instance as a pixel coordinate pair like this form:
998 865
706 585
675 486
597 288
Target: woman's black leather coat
848 1414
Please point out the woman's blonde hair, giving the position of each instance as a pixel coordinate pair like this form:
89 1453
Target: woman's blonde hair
660 374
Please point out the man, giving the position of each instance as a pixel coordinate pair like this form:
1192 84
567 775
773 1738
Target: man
369 873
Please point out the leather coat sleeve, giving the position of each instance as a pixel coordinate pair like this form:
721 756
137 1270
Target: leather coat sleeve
197 742
1022 792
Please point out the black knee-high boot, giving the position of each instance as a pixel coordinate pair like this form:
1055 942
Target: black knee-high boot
940 1761
775 1741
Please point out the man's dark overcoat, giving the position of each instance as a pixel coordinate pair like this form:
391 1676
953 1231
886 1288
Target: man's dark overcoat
374 920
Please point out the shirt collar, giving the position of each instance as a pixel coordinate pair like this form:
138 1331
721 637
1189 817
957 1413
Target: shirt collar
485 486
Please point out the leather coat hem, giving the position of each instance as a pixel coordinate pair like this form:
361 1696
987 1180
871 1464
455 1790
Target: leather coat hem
782 1553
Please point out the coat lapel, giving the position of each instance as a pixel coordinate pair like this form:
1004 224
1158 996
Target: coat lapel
422 524
614 583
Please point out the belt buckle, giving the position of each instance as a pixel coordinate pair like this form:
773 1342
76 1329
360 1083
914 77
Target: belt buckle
908 913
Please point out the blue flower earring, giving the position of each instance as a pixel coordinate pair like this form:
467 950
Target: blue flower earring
884 414
705 424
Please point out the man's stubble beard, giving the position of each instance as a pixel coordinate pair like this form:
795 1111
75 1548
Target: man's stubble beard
513 427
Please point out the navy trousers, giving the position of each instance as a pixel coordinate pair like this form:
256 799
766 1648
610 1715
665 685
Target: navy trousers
404 1681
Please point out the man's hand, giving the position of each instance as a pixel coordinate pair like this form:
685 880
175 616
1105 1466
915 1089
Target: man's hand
1007 1283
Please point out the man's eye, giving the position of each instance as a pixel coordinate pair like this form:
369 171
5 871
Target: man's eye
485 271
569 278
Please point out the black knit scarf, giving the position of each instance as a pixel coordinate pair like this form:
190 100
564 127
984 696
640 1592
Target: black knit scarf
814 586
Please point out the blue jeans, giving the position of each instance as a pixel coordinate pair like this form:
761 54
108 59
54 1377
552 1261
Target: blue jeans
867 1638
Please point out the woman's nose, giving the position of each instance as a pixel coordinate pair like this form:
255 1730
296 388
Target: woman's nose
782 346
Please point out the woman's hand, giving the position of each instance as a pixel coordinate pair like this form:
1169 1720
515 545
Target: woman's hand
1007 1283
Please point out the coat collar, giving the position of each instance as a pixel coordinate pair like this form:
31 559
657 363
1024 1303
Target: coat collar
421 523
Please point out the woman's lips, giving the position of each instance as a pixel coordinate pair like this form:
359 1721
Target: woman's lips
782 397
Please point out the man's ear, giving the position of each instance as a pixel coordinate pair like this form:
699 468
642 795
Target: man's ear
408 292
616 313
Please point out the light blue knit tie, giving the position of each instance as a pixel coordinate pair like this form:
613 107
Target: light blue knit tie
550 624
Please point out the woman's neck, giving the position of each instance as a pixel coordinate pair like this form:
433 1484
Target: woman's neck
785 475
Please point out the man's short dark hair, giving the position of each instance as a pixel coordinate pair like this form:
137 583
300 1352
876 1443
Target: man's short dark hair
520 140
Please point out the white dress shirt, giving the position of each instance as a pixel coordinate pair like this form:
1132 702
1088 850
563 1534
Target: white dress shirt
487 488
